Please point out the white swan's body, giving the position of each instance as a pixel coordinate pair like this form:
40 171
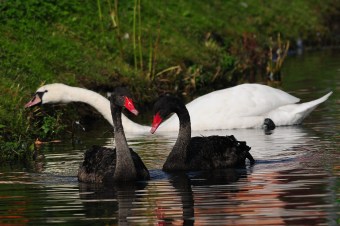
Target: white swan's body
242 106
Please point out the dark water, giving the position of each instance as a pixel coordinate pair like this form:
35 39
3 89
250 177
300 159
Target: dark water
295 182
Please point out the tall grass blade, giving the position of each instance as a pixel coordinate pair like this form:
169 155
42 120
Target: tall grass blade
140 36
134 35
100 16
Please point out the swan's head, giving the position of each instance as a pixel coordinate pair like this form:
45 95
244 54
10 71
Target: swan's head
122 97
163 107
49 94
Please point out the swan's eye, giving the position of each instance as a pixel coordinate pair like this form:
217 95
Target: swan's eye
41 94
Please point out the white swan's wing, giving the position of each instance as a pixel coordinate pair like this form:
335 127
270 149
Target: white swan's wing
295 113
242 100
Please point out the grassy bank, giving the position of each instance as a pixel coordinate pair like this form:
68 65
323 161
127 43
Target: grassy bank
184 47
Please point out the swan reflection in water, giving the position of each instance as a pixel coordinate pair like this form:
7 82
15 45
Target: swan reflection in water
113 204
168 200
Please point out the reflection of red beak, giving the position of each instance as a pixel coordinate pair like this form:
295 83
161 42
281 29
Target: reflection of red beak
129 105
35 101
157 120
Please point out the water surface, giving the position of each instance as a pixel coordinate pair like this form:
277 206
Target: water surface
294 182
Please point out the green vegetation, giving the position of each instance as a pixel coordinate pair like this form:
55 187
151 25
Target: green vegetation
187 47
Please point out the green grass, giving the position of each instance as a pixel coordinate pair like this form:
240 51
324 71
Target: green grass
185 47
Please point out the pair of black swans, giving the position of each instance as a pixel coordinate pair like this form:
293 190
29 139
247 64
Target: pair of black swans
104 165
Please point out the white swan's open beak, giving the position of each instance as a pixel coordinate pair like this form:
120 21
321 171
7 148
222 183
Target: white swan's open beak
129 105
157 120
34 101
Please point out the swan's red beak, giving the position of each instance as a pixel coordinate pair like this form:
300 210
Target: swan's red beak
34 101
129 105
157 120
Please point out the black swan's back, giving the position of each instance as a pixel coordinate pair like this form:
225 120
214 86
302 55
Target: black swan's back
100 163
216 152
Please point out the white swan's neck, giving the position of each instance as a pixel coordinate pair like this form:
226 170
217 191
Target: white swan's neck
101 104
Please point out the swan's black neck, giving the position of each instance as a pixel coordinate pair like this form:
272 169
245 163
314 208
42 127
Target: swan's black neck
176 158
125 168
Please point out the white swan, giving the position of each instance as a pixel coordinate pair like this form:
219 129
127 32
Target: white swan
242 106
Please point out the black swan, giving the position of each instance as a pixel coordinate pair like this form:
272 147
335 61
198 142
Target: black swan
197 153
104 165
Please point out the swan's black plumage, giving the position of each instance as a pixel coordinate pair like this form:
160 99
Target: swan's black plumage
106 165
198 153
100 163
216 152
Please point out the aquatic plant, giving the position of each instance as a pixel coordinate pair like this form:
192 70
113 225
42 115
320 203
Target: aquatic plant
276 55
